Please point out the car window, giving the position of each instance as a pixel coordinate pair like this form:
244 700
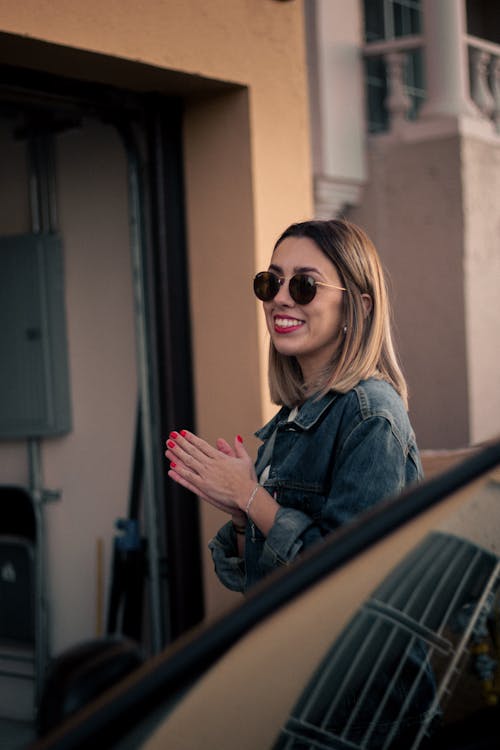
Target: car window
395 650
414 643
384 637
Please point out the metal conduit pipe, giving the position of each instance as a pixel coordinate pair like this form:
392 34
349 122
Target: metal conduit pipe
42 193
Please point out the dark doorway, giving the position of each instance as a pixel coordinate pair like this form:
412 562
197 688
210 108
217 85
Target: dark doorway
149 126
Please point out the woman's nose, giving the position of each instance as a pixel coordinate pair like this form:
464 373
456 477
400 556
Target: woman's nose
283 297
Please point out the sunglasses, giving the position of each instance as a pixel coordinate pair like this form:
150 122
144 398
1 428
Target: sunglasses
302 288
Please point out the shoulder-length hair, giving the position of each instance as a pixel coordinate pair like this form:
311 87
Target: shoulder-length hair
366 349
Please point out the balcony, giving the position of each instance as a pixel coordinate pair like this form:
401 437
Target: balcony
396 88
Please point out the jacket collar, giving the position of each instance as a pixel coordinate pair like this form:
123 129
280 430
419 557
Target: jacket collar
309 413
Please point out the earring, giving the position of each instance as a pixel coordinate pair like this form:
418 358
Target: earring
344 329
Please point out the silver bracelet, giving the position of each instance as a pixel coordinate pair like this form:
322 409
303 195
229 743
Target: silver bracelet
251 499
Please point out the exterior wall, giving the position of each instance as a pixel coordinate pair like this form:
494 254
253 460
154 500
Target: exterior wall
412 208
221 241
247 177
481 186
431 207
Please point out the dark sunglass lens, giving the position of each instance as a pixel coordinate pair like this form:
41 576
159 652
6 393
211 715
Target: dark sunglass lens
266 286
302 288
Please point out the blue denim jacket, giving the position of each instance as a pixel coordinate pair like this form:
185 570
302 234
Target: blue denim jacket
340 455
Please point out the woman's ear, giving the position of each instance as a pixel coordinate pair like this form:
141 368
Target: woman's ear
367 304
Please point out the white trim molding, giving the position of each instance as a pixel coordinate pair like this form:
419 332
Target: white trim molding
334 195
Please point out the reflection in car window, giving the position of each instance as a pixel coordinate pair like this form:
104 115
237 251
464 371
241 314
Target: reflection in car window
390 680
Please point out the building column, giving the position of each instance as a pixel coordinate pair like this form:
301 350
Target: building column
446 60
336 95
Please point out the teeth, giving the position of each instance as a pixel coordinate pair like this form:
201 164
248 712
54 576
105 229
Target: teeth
287 322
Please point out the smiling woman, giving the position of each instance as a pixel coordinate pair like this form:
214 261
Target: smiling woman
343 252
341 442
310 330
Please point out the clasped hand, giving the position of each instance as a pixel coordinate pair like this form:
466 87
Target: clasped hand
222 476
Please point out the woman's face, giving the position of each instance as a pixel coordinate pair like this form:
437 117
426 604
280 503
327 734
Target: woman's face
311 332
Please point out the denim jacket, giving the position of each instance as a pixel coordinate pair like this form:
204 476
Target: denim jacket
340 455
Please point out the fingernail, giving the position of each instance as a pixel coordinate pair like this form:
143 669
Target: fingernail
183 433
170 443
239 438
174 434
173 464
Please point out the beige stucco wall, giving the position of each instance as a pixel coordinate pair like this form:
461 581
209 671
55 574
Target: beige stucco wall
228 389
481 172
431 205
412 207
247 177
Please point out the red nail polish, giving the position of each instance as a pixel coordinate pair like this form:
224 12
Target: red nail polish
173 464
174 434
183 433
170 444
239 438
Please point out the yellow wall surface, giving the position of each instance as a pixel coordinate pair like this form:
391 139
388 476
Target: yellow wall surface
240 67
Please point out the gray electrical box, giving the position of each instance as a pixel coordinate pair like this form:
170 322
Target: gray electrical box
34 381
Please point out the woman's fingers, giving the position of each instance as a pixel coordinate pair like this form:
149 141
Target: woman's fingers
241 452
176 453
183 473
191 450
224 447
215 473
194 445
177 477
174 474
182 480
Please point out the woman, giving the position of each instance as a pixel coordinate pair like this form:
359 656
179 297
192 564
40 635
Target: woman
342 440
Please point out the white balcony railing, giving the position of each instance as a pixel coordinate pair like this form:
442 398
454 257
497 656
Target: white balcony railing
395 54
484 76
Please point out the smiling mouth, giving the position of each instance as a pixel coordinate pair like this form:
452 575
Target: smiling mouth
287 325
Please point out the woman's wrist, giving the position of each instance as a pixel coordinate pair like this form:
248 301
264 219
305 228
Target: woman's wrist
260 507
251 498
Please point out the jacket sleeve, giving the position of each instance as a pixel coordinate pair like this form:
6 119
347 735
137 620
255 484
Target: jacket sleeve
369 466
229 566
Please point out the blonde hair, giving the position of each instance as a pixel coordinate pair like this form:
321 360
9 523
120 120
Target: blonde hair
367 348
